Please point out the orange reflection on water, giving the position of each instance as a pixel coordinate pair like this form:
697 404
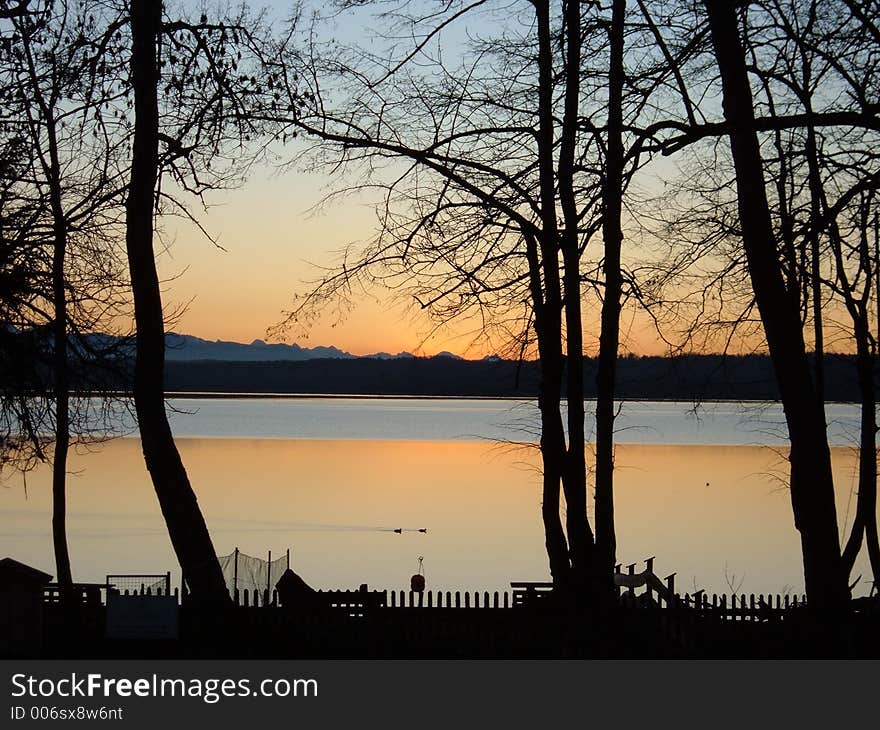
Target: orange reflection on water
702 510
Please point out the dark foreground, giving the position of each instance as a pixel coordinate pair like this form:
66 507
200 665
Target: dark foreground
360 625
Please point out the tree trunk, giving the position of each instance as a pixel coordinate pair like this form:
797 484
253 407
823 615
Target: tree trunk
554 536
815 183
51 166
186 525
812 488
61 392
865 522
580 535
553 451
871 536
553 462
609 337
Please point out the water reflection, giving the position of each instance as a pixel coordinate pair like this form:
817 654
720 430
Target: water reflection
716 515
454 419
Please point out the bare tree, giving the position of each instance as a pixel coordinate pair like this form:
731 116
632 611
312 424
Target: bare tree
609 342
482 149
511 160
494 197
806 128
812 489
69 180
193 133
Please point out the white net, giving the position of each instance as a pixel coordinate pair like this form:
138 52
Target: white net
247 573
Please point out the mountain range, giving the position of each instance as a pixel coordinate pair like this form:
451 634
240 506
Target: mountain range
188 348
196 365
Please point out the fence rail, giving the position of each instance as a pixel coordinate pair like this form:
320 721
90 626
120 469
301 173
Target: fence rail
526 620
636 590
737 607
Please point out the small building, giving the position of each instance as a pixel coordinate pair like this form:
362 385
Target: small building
21 608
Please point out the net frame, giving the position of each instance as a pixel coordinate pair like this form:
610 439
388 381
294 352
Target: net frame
139 584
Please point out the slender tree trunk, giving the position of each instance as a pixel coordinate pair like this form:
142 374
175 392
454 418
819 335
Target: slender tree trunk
554 536
553 462
580 535
186 525
550 342
61 392
812 488
871 536
609 337
815 183
865 522
51 167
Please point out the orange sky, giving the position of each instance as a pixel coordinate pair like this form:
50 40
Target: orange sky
272 236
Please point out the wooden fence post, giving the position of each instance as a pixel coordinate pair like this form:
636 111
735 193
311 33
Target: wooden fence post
235 573
268 575
670 586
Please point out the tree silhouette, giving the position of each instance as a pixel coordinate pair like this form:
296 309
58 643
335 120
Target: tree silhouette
512 161
812 488
195 109
68 179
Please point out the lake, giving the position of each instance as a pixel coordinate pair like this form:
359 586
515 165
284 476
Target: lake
699 486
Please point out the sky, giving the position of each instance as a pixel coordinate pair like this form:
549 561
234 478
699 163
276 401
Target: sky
272 240
273 236
273 243
270 243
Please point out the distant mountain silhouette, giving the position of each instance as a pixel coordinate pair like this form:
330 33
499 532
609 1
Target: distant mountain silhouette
188 348
195 365
185 348
388 356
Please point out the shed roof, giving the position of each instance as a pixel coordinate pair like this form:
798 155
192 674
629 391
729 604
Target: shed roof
12 569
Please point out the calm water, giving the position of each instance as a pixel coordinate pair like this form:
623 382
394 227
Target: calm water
439 419
330 478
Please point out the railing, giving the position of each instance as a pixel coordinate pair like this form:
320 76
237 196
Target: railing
92 594
643 590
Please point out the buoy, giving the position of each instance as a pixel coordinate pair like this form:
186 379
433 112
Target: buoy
417 582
